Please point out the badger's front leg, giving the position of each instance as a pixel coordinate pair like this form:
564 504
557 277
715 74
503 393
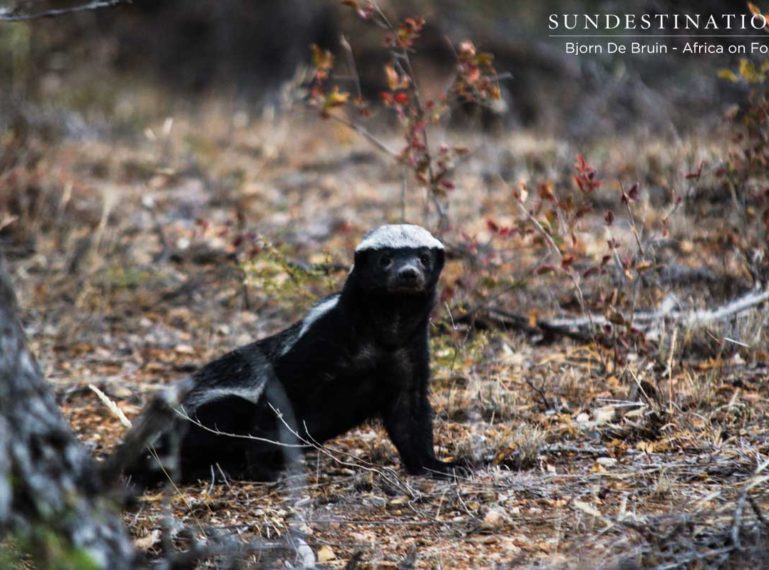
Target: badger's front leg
408 416
409 424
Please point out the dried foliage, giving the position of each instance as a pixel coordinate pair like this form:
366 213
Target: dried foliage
475 82
151 258
600 439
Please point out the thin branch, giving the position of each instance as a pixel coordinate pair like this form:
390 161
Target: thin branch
739 305
734 533
365 133
585 450
5 16
351 63
215 431
386 473
539 390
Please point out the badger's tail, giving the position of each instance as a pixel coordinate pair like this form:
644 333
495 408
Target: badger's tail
150 450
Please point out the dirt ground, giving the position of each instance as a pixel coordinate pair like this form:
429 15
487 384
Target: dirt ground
142 252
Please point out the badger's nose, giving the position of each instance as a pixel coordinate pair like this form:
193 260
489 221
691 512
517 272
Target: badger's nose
408 274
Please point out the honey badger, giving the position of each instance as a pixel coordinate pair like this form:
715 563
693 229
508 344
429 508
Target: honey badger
359 354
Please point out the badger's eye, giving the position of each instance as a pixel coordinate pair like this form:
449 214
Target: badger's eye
385 261
424 259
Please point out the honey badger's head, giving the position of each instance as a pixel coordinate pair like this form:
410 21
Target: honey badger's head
399 259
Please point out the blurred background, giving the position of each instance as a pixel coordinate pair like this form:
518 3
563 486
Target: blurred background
95 62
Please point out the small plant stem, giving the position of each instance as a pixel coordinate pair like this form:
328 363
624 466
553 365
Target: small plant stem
617 260
633 225
634 228
365 133
351 62
404 187
402 61
670 370
554 247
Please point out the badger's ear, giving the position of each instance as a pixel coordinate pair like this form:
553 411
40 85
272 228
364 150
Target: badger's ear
361 258
440 259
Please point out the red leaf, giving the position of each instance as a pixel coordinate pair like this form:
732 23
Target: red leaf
401 98
582 210
546 268
696 174
633 193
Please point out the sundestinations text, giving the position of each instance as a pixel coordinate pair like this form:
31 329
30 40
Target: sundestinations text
627 22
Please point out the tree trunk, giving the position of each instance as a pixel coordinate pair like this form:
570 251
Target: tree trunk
53 504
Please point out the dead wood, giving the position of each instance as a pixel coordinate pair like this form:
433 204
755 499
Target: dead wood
589 327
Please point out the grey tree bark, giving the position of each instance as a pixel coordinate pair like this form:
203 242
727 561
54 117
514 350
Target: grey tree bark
53 502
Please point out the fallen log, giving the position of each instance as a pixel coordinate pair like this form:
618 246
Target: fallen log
589 327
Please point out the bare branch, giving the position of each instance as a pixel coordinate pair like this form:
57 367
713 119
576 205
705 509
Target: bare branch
5 16
582 328
365 133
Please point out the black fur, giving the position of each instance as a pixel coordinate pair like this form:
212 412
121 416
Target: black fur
364 358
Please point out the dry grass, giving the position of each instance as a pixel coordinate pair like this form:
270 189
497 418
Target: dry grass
130 272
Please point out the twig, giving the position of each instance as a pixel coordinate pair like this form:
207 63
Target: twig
404 187
562 448
95 5
365 133
671 356
540 393
739 305
757 511
735 530
633 225
351 62
184 415
693 557
387 474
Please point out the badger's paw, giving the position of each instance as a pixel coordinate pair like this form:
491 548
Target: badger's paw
438 469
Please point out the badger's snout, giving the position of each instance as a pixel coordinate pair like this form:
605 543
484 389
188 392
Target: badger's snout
407 277
408 274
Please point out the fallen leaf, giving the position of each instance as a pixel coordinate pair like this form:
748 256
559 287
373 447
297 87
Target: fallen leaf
325 554
148 540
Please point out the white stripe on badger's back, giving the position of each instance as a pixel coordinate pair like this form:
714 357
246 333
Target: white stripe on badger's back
317 312
397 236
288 343
251 393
